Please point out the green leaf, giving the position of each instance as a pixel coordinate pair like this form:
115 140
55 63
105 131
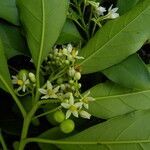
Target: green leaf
131 73
117 40
113 100
128 132
53 133
13 42
42 21
69 34
125 5
9 11
4 73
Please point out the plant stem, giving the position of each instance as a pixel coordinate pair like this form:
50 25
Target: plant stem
27 121
47 141
2 141
26 124
47 112
93 30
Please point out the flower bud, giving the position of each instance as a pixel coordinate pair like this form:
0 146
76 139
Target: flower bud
67 62
65 51
22 73
71 72
32 77
60 81
71 82
63 87
77 76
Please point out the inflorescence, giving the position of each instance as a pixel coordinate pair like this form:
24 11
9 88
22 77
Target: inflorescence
62 77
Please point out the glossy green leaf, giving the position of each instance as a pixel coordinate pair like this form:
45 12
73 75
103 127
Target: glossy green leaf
13 42
8 11
69 34
113 100
42 21
4 73
125 5
131 73
117 40
128 132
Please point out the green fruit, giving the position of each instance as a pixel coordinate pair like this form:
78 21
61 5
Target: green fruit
67 126
22 73
59 116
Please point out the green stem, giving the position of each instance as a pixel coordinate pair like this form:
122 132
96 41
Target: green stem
27 121
26 125
46 113
47 141
17 101
93 30
2 141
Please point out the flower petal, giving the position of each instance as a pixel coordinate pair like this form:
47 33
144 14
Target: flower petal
114 15
45 97
23 88
90 99
53 96
79 104
85 114
24 77
86 105
43 91
114 10
110 8
56 89
71 99
19 88
75 113
65 105
49 85
68 114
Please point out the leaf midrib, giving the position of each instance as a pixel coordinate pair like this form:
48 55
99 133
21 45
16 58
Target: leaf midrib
42 36
89 57
121 95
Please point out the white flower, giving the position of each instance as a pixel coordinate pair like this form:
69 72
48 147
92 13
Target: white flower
69 47
73 108
74 54
50 92
100 10
85 100
22 83
112 12
84 114
71 53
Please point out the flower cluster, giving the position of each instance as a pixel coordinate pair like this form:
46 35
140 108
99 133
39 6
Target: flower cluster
24 81
63 82
111 13
60 57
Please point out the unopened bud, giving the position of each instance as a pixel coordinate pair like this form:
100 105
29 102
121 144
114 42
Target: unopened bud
32 77
71 72
77 76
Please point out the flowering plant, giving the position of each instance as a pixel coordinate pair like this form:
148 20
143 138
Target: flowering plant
74 74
